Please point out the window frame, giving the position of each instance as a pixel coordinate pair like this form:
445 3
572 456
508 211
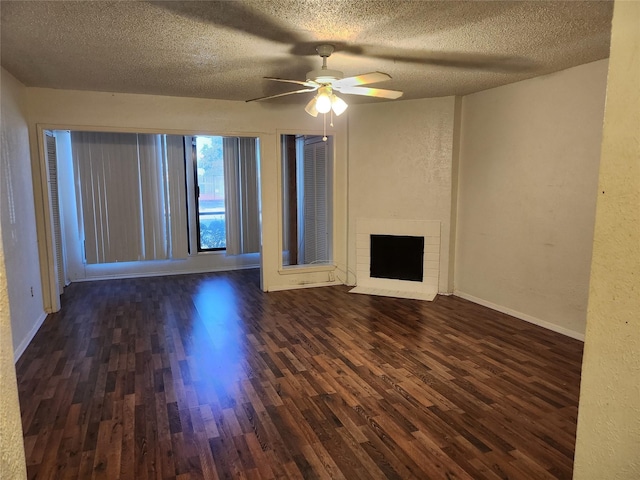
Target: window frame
283 268
196 195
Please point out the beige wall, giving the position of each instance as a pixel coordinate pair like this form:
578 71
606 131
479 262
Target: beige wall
17 217
75 109
400 167
12 461
527 191
608 439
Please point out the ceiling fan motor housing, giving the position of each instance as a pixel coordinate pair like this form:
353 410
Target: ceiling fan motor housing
324 76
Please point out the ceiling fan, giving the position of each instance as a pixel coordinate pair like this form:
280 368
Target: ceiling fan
326 81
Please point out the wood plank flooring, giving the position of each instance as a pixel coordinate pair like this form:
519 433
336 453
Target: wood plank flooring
206 377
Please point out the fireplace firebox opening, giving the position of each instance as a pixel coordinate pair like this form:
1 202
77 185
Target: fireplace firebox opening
399 257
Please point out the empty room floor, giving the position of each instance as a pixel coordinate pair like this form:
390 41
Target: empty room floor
205 376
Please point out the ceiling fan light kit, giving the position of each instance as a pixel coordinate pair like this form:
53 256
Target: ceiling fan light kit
323 99
311 108
338 105
325 81
324 102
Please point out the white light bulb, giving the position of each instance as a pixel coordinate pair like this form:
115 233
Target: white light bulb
323 100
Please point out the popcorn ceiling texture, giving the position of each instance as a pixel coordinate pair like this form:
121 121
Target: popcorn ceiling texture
12 462
222 49
608 437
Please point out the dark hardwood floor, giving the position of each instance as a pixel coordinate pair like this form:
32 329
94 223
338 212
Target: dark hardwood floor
205 376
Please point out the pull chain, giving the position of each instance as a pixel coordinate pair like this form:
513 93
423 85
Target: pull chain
324 122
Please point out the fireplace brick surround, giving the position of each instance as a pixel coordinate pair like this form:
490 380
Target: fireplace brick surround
425 290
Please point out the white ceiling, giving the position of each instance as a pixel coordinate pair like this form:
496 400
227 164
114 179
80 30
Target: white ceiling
222 49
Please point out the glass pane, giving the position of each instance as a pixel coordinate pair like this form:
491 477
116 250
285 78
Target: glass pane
211 211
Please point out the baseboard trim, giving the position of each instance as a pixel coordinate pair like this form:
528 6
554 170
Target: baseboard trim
522 316
298 286
162 273
17 353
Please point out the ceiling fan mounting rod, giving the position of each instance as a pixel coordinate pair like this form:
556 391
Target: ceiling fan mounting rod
325 52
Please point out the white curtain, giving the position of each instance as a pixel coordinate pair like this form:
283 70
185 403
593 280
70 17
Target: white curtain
125 198
241 195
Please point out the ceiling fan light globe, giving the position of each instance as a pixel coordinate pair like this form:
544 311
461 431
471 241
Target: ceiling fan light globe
323 100
338 105
311 108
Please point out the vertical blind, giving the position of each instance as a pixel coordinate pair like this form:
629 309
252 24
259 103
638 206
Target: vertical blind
315 240
132 196
241 194
176 187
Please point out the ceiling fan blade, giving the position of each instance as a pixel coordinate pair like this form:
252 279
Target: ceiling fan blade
371 92
297 82
304 90
363 79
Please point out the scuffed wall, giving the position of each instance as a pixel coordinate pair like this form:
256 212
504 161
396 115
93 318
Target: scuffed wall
527 191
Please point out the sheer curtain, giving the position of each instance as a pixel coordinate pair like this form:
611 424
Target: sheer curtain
241 195
127 196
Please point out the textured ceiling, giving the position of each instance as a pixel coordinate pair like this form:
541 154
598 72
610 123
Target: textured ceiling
222 49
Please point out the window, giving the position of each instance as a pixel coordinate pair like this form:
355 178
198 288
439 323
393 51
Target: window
226 174
138 198
307 199
212 233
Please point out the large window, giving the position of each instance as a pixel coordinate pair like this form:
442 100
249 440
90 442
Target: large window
139 199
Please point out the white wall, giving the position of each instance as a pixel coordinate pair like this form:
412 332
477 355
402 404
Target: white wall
18 217
527 190
16 226
12 461
400 166
608 437
61 109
